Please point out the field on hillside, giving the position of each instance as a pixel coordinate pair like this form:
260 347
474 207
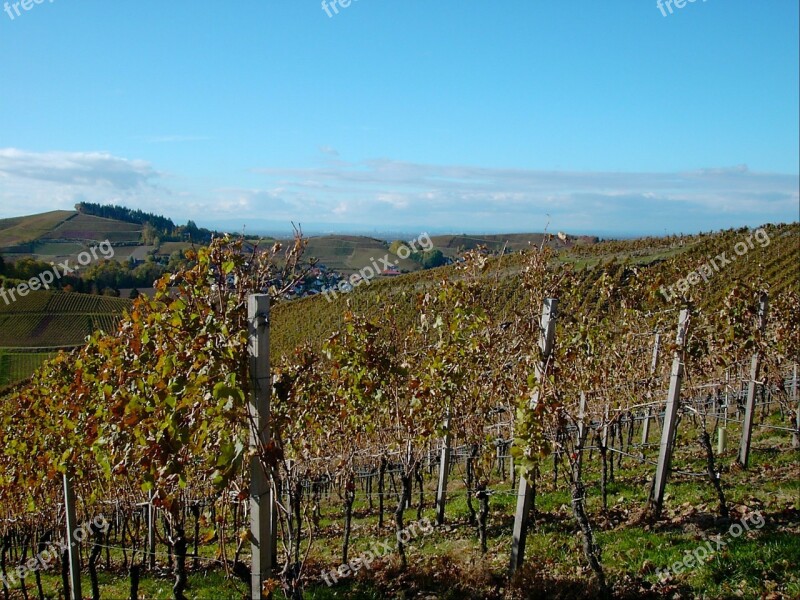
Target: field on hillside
59 235
168 248
16 365
97 229
664 260
57 319
452 245
27 229
46 321
348 254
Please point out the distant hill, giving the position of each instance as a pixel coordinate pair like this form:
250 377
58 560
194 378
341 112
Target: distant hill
24 230
350 253
513 242
33 327
663 260
58 235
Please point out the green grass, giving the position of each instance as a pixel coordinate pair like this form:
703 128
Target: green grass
448 561
202 586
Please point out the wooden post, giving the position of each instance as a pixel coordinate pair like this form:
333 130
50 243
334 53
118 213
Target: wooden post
498 442
261 500
73 550
747 426
670 418
796 434
525 493
444 473
581 427
648 411
151 534
581 416
409 460
274 496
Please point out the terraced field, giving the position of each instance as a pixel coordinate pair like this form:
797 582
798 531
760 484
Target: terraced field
87 227
34 327
452 245
16 366
27 229
348 254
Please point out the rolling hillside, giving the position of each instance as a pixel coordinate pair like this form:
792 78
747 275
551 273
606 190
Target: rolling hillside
665 261
56 319
58 235
47 320
24 230
453 245
348 254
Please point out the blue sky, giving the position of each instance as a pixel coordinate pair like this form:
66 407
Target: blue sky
604 117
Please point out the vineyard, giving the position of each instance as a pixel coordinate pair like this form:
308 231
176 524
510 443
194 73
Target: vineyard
16 365
659 260
57 319
539 425
33 328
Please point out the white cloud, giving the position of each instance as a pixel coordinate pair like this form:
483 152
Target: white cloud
329 150
41 181
75 168
383 193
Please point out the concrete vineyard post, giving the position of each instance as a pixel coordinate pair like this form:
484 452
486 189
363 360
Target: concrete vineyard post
670 417
749 411
581 428
73 548
151 533
444 473
796 402
525 492
648 411
261 501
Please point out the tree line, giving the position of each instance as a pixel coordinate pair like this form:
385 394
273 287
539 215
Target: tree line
155 227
